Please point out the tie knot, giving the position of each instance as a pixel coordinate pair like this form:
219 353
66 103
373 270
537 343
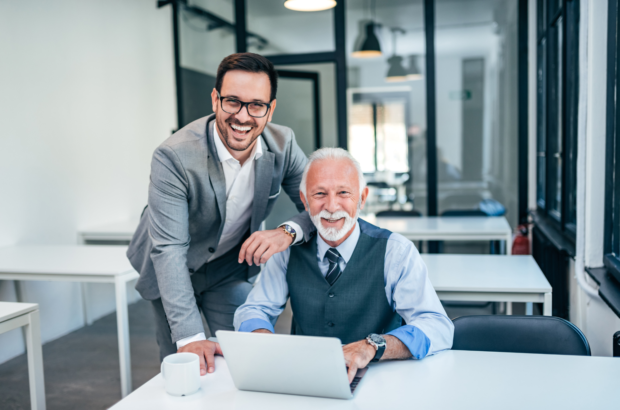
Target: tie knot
332 255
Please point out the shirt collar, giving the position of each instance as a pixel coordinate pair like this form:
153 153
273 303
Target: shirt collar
224 154
345 249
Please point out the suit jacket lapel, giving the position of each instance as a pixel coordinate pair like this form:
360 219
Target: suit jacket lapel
263 176
216 173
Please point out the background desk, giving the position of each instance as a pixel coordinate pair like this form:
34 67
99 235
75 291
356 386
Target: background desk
489 278
95 264
112 233
26 315
448 380
437 228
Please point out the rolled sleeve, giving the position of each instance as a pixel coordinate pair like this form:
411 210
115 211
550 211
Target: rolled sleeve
415 340
251 325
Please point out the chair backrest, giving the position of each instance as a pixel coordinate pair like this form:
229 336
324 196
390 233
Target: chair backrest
519 334
397 213
463 212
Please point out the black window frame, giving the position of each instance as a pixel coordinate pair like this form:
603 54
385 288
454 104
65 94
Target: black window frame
557 114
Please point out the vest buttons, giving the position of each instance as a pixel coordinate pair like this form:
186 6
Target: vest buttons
191 270
331 295
211 250
330 324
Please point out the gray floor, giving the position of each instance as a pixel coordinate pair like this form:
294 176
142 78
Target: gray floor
81 368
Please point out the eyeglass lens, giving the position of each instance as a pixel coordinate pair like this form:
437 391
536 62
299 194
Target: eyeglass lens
232 106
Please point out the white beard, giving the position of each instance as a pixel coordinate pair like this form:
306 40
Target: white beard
334 234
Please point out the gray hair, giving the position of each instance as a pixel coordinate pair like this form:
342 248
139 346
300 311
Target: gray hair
331 153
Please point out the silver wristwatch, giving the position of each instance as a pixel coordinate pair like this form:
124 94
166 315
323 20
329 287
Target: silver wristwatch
378 342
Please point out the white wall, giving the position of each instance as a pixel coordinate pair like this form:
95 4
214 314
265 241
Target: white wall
87 94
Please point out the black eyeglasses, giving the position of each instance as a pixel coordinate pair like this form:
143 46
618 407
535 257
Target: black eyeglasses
233 106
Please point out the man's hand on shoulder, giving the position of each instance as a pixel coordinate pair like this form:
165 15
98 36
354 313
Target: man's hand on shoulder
357 355
206 351
262 245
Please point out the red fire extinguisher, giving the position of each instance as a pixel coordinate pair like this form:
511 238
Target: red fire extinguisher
521 242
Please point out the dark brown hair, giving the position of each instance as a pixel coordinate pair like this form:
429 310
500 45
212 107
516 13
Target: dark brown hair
253 63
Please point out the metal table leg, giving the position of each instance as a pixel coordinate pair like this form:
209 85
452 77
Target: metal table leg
122 323
35 361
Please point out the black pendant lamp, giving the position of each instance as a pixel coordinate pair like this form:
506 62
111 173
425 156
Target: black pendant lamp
369 47
396 72
414 72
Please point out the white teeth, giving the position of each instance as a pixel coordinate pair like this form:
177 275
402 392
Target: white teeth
238 128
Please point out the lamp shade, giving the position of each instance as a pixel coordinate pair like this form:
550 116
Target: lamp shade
396 72
414 72
309 5
370 46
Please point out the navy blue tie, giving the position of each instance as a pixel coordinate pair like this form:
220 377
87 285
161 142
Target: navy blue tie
333 272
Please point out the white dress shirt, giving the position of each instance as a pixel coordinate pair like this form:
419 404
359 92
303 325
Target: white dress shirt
239 199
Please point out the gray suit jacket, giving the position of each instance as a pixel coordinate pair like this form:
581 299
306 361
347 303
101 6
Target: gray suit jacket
181 227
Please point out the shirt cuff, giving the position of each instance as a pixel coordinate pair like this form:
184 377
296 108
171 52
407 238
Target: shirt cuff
299 233
251 325
415 340
196 338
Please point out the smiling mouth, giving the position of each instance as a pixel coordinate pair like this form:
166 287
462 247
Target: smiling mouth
331 221
240 130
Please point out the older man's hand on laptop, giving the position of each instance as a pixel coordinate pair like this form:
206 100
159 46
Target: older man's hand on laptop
357 355
206 351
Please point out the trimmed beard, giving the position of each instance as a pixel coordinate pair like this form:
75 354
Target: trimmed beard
334 234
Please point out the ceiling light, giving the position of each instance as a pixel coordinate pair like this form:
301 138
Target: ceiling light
370 47
414 72
396 72
309 5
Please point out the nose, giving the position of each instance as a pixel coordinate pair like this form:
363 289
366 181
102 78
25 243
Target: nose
332 204
243 116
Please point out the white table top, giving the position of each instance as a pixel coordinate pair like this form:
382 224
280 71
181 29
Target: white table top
65 260
120 228
449 380
9 310
485 273
437 225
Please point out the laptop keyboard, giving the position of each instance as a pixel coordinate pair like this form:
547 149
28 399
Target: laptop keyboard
358 377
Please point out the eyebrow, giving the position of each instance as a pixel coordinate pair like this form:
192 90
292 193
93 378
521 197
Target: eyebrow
237 98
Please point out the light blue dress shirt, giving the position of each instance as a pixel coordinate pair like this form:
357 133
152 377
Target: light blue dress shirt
408 289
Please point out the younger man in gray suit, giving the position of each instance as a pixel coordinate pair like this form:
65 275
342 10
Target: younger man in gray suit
212 184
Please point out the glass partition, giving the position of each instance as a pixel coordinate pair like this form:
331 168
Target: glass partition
477 95
387 100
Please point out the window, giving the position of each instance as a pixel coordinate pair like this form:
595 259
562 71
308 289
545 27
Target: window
557 100
612 191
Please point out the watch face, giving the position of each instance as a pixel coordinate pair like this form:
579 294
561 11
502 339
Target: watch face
289 229
378 339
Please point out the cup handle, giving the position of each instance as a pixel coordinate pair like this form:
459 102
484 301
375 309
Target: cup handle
162 370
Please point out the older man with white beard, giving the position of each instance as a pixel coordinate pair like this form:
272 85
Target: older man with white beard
365 285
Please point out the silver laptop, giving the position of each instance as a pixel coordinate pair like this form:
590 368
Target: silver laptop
301 365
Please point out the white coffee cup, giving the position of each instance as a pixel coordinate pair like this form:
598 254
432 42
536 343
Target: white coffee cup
181 373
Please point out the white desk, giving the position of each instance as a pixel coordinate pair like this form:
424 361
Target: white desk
448 380
26 315
95 264
489 278
112 232
436 228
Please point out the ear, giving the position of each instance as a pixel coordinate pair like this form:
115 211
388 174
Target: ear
364 197
303 199
271 110
214 101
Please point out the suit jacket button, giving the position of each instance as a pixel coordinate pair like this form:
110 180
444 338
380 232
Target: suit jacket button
211 250
331 295
330 324
191 270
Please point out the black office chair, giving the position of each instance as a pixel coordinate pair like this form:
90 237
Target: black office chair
392 213
519 334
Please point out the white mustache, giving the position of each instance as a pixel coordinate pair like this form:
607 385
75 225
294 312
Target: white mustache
333 215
